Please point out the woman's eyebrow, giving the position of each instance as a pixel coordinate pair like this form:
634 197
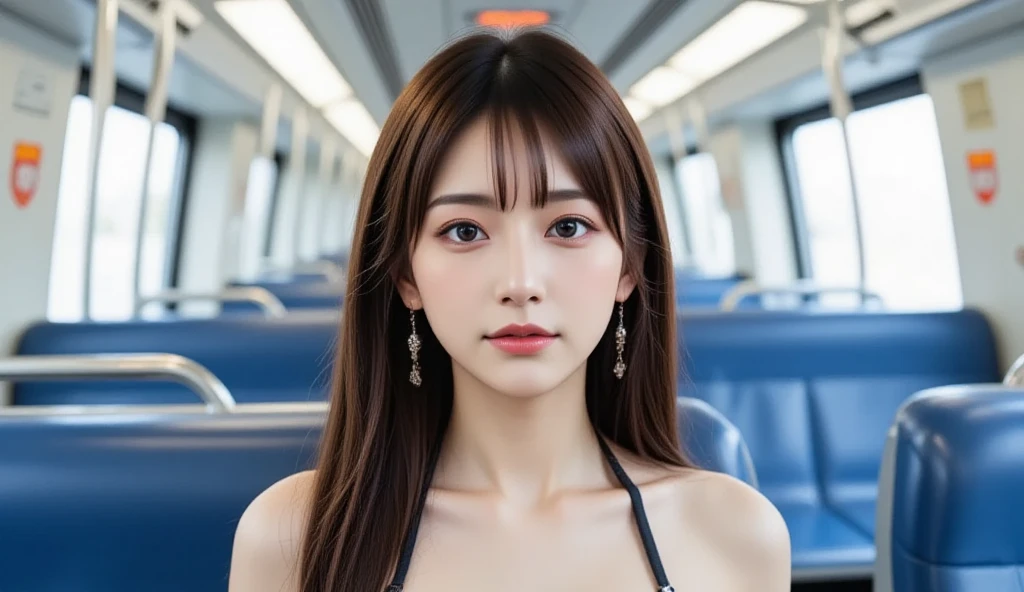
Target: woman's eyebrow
487 201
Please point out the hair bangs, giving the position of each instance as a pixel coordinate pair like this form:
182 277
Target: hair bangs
534 110
513 134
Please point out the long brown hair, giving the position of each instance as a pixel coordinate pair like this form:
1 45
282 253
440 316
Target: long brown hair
382 432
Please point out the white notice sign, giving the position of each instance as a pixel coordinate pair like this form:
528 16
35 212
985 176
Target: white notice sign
33 91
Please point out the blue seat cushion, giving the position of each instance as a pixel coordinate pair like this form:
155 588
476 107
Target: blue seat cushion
860 513
822 542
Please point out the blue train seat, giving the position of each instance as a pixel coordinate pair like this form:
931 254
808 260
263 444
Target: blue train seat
712 442
950 513
259 360
696 291
124 503
813 395
295 296
129 503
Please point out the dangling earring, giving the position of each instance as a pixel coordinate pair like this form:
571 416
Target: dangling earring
620 345
414 350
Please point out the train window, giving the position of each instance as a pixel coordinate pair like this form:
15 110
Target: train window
118 202
708 224
909 246
674 217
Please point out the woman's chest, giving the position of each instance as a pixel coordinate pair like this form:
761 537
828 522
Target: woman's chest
539 559
582 550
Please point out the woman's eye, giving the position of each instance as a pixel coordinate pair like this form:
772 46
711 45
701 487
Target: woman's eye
464 232
569 228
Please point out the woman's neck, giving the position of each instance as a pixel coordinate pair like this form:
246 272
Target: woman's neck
526 450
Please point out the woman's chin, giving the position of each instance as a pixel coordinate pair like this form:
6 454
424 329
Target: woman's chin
526 380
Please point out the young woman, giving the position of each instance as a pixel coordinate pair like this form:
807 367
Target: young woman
503 409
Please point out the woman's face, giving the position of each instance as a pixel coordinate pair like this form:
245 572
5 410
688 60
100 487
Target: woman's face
483 276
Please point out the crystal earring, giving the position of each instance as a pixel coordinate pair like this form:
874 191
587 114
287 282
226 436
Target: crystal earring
414 351
620 345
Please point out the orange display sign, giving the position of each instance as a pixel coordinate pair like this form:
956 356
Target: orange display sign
513 18
983 174
25 172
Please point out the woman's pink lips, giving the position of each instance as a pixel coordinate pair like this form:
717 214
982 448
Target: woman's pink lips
522 346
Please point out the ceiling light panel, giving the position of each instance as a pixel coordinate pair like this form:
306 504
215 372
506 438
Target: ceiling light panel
354 122
278 35
662 86
637 108
749 28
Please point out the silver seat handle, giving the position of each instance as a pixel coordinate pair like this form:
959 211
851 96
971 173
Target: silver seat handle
731 299
331 271
168 367
270 304
1015 376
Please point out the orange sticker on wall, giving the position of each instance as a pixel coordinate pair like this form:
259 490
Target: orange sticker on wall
984 176
25 172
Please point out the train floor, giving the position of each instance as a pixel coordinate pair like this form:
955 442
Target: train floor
852 586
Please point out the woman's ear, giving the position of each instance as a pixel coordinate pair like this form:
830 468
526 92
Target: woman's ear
626 286
409 292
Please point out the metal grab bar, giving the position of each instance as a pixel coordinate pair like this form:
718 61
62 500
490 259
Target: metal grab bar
330 270
170 367
1015 376
271 305
142 409
731 299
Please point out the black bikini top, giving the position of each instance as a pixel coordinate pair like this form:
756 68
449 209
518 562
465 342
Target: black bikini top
638 513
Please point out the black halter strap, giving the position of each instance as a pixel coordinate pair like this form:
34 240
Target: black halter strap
653 557
410 537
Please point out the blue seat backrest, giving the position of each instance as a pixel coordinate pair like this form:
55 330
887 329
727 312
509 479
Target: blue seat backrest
702 292
953 486
813 393
712 442
259 360
151 503
296 295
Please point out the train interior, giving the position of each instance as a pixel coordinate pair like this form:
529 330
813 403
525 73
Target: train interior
843 183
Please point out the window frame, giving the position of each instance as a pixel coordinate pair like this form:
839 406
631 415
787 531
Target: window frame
131 99
785 128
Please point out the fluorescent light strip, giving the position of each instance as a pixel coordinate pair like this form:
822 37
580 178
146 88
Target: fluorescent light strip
857 13
354 122
662 86
637 108
748 29
275 32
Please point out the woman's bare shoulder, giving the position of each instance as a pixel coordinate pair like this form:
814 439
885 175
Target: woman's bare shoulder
741 529
733 526
269 535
